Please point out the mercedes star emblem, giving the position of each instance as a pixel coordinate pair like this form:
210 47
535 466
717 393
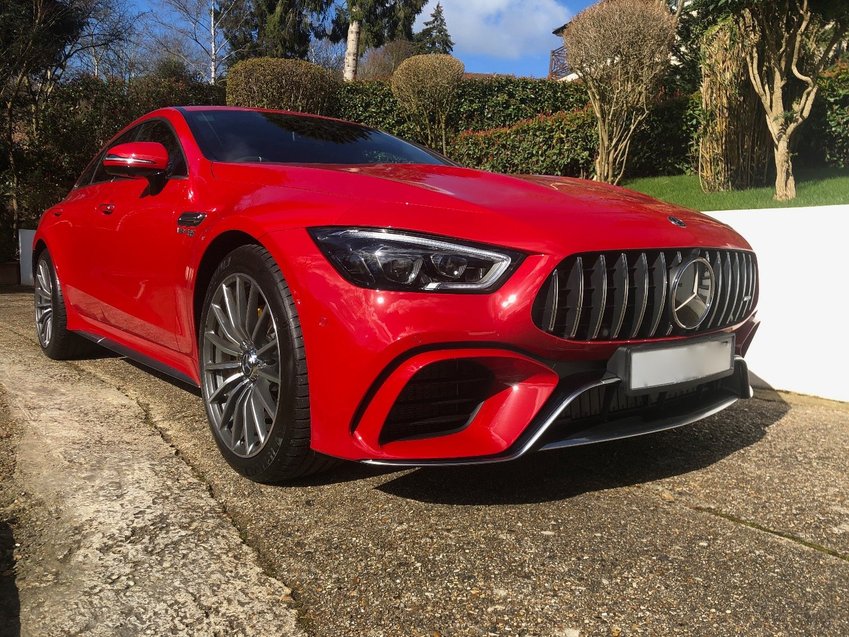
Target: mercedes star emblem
691 293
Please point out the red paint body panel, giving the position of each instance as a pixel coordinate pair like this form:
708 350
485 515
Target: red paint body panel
130 276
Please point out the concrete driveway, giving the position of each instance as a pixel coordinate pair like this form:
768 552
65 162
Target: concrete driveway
738 525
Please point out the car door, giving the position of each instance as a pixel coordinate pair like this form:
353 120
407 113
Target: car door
142 252
77 244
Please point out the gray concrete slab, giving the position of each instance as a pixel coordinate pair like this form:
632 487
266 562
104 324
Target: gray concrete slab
738 525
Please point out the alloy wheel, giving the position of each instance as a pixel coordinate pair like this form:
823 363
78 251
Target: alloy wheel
44 302
240 357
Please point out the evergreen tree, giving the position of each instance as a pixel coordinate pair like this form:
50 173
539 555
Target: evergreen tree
275 28
434 37
366 24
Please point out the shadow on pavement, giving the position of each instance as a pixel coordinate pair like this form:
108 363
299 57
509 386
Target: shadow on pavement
10 606
559 475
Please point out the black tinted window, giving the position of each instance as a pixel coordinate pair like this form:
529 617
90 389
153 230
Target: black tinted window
158 131
251 136
97 165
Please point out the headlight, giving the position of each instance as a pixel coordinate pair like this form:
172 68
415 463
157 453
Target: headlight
393 260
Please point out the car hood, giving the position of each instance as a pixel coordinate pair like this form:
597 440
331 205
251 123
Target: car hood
528 212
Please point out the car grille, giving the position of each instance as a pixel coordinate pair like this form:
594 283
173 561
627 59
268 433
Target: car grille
625 295
438 400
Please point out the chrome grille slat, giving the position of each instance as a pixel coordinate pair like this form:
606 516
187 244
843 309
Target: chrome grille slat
624 295
641 298
660 279
621 283
598 279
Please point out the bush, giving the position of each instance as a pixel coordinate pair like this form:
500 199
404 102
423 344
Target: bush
667 142
828 132
425 86
372 104
292 85
482 103
561 144
494 102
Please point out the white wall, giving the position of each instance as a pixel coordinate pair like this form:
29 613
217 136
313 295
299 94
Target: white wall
803 253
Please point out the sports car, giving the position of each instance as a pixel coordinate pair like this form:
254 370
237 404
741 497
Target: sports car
338 293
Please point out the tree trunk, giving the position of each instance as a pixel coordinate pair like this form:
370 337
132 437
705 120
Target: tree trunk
213 50
785 182
352 51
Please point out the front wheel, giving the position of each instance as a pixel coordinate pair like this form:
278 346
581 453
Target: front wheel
254 372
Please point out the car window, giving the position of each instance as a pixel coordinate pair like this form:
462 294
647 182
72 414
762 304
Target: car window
158 131
95 172
256 136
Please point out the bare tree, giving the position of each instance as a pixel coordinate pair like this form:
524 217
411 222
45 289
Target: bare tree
789 43
192 31
380 63
620 49
328 55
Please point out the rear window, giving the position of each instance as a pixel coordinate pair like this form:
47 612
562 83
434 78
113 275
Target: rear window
252 136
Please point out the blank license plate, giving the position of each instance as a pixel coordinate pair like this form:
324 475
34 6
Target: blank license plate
660 367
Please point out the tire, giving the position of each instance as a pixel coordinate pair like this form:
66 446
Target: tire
51 318
254 371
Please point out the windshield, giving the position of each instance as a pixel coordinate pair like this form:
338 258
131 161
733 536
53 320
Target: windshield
253 136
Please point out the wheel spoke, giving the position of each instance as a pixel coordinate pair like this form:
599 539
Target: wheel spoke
226 325
263 394
227 387
260 323
258 416
270 376
272 342
230 306
222 366
221 344
251 315
233 403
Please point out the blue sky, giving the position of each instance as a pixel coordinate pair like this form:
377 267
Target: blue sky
505 36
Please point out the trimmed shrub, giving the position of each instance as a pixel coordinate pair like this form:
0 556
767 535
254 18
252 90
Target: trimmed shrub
292 85
560 144
425 86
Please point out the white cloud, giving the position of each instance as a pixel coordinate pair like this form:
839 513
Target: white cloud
507 29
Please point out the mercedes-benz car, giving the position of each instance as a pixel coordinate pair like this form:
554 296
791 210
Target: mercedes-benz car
336 292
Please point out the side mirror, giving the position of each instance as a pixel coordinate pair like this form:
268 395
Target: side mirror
136 159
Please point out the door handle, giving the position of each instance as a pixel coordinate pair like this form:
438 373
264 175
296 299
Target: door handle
106 208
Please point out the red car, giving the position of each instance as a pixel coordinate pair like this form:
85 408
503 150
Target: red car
339 293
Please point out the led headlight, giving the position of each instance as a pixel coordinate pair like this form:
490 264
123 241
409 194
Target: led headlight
393 260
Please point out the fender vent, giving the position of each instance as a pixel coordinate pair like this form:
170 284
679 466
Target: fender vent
439 399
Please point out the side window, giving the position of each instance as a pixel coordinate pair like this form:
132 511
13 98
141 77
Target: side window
158 131
97 167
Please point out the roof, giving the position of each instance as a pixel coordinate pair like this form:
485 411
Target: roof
559 30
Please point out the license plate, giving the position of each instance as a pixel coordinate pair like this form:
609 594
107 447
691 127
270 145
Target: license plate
651 368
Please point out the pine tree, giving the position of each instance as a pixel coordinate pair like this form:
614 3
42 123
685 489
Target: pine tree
434 37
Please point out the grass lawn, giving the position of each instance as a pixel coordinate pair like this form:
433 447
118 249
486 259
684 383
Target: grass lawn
823 187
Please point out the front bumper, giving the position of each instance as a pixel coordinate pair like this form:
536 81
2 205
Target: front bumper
365 346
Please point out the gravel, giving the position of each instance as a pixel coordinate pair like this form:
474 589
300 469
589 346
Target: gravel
736 525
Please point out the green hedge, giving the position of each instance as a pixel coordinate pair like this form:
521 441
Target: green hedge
482 103
829 129
81 116
292 85
667 142
560 144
